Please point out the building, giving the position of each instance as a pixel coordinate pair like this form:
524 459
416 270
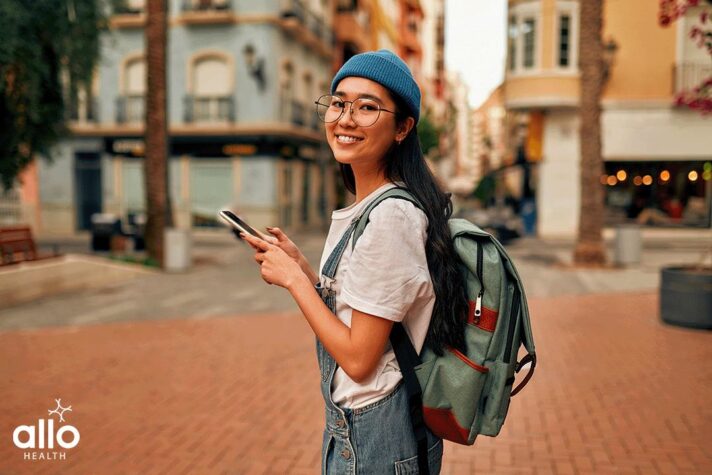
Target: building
656 154
243 76
460 167
410 35
433 63
489 133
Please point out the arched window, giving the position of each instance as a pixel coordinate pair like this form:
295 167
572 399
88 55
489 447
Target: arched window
210 98
130 105
135 79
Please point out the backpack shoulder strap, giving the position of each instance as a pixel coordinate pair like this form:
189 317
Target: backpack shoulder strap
397 192
406 355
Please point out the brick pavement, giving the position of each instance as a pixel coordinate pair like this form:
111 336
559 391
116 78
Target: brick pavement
616 392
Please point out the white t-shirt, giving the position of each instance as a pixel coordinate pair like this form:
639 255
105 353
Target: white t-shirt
386 276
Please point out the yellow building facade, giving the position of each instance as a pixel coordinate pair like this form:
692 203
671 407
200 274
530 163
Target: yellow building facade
643 133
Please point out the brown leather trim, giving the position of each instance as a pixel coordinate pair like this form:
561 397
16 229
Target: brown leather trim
488 318
472 364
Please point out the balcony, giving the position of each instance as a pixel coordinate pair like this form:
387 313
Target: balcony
205 5
82 110
410 39
307 27
130 109
352 26
343 6
294 9
208 109
298 111
314 119
128 14
125 7
205 12
687 75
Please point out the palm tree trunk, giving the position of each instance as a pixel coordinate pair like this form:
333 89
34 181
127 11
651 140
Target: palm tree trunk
155 166
590 248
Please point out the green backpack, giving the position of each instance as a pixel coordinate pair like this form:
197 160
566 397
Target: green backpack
459 396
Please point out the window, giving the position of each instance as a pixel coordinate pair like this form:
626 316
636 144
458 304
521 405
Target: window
523 38
564 40
211 99
130 106
211 77
135 81
211 188
512 43
529 31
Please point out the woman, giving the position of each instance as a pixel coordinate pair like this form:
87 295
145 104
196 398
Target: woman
403 269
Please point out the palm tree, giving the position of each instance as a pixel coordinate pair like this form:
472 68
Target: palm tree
590 249
155 165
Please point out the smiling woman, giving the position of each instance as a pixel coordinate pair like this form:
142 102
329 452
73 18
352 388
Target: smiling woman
403 260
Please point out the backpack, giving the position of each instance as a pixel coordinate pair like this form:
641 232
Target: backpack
459 396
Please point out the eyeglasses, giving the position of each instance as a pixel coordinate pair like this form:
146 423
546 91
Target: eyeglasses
364 112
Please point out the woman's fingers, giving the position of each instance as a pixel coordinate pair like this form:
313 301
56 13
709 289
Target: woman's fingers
276 232
257 243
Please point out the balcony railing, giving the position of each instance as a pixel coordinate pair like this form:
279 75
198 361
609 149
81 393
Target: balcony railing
130 108
315 25
125 7
298 114
315 122
294 9
687 76
205 5
208 109
83 110
343 6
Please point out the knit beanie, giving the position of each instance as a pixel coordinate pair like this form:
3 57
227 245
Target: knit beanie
388 70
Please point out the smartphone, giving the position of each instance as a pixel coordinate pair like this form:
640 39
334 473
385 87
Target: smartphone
234 220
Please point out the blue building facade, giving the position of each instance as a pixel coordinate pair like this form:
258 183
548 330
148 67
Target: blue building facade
243 76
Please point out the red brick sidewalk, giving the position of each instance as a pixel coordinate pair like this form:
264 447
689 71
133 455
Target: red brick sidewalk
616 392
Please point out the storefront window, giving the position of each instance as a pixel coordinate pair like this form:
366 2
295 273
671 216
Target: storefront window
667 194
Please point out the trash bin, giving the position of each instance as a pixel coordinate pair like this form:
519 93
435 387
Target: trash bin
177 249
104 226
627 244
137 222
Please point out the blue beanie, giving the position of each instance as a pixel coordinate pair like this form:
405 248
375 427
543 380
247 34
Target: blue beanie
388 70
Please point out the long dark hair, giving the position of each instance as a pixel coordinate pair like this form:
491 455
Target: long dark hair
405 162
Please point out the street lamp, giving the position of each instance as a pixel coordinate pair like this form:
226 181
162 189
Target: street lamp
610 47
255 65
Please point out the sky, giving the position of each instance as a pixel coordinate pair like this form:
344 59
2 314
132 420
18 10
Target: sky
475 44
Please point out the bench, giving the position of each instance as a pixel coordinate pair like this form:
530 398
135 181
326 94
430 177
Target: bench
17 245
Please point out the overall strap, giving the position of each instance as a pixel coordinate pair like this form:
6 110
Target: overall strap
328 272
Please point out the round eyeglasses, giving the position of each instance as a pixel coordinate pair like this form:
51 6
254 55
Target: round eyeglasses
364 112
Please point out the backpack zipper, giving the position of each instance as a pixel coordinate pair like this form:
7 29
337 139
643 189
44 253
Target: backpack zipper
480 264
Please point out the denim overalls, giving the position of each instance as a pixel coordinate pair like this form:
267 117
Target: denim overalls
376 439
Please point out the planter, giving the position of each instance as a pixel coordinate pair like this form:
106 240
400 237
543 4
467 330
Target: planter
686 296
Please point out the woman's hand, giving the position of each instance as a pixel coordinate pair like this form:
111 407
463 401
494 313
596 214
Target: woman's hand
276 266
280 239
283 242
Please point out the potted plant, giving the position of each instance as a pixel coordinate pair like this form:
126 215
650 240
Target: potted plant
686 293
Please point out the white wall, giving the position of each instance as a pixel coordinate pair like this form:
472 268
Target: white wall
558 192
655 134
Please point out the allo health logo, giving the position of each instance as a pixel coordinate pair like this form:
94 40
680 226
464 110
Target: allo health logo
45 437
